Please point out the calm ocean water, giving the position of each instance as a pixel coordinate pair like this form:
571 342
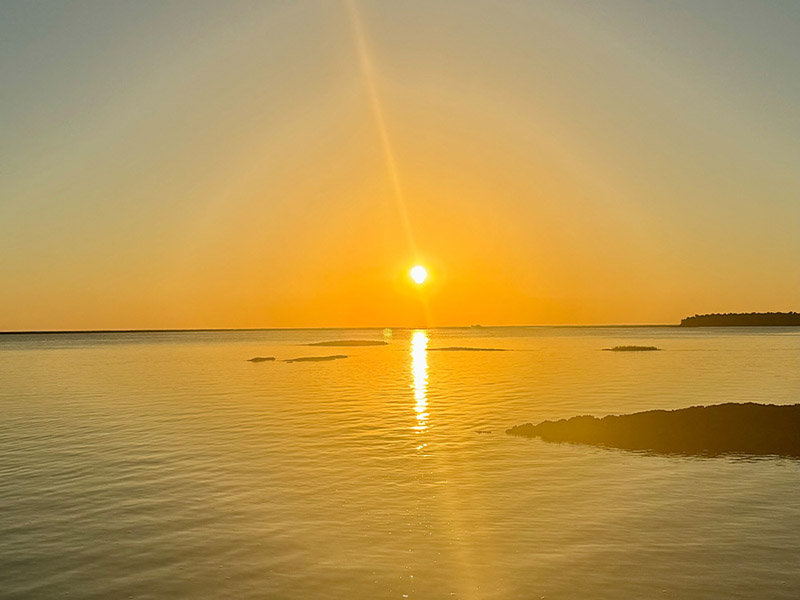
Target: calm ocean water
164 465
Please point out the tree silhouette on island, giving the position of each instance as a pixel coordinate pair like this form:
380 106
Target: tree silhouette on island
753 319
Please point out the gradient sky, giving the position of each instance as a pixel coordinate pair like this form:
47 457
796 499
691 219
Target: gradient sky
264 164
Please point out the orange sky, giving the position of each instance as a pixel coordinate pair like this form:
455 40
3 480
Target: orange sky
254 165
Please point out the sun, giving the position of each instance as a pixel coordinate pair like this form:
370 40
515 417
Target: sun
419 274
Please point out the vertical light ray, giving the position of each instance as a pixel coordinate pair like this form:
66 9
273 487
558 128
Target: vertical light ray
368 76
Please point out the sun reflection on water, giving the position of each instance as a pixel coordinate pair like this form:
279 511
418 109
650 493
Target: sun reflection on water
419 371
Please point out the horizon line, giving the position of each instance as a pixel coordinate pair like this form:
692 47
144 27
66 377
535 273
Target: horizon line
377 327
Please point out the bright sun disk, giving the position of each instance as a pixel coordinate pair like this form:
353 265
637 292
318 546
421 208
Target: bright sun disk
418 274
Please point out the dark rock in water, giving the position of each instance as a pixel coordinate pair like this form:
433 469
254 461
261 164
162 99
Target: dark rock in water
631 349
750 428
257 359
350 343
467 349
316 358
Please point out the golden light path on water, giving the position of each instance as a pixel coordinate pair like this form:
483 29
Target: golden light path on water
449 504
419 372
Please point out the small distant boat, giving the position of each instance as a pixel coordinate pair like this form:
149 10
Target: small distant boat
476 326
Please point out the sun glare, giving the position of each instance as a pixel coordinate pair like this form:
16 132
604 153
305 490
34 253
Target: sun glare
419 274
419 370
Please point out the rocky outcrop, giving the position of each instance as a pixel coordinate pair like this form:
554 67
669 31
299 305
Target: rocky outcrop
757 429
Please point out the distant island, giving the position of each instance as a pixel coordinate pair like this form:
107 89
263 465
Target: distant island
749 428
770 319
632 349
349 343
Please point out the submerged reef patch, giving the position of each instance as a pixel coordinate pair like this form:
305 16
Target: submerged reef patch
349 343
467 349
315 358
